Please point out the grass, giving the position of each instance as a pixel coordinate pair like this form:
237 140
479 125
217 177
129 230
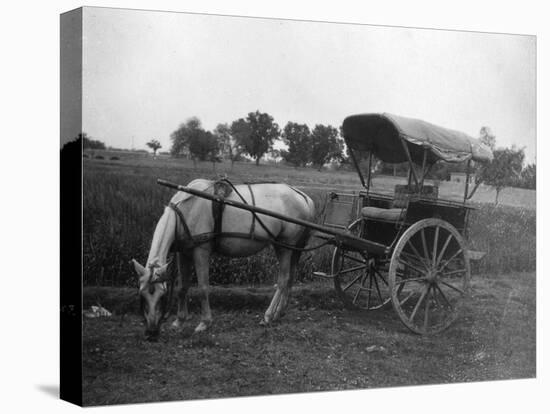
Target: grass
317 346
122 204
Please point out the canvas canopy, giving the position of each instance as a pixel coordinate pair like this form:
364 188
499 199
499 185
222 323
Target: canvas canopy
382 134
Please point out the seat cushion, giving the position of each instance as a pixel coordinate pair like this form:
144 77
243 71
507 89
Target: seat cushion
386 214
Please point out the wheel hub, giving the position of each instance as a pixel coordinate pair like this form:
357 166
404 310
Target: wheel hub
432 276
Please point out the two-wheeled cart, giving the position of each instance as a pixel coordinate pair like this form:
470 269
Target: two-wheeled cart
410 247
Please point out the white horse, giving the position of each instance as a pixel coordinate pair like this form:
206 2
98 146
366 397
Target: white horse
239 234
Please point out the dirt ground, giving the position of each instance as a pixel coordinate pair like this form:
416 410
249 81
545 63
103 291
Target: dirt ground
317 346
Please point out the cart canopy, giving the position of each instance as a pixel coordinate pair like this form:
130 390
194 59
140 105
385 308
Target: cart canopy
382 134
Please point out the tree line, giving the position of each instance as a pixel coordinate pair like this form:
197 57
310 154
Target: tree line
255 136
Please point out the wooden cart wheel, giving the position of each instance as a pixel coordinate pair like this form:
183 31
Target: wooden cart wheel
358 283
429 276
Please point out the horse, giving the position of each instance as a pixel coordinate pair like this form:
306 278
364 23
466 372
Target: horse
196 228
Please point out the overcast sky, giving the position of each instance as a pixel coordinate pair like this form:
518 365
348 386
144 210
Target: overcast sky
144 73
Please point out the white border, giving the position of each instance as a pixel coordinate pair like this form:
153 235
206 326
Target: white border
30 206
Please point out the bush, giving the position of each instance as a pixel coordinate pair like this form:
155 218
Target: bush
507 235
99 157
115 158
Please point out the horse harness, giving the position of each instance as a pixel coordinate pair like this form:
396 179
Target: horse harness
222 188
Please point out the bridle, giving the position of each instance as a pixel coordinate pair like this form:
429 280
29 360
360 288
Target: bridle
170 287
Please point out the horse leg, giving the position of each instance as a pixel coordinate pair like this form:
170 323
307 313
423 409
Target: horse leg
201 257
284 282
184 273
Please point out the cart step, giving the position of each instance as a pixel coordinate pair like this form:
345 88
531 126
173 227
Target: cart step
476 255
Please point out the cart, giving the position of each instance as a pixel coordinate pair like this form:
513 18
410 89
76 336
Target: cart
419 259
409 248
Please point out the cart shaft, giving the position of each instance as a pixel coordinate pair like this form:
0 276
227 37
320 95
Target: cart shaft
340 236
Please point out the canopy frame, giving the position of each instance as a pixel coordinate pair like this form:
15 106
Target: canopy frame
432 153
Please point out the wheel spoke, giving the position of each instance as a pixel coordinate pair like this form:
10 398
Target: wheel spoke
452 287
410 295
381 277
424 245
352 282
352 269
443 296
415 251
436 239
352 258
415 260
444 265
427 308
434 295
400 289
443 250
377 287
357 294
370 290
413 314
403 261
454 272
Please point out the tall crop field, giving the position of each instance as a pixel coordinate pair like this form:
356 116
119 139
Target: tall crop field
122 204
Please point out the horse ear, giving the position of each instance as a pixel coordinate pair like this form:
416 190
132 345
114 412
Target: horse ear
140 270
161 270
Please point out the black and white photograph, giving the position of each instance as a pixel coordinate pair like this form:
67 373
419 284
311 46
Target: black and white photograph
262 206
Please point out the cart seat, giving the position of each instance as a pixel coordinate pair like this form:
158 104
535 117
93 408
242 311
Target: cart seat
386 214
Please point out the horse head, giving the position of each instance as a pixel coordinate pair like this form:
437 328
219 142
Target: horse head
155 290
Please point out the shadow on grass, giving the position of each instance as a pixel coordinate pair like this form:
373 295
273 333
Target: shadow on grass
126 301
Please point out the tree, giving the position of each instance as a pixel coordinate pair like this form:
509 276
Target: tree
256 138
487 137
228 143
154 145
203 146
529 177
504 170
88 143
326 146
180 137
298 138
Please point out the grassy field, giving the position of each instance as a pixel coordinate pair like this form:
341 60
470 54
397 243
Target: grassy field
317 346
122 204
306 178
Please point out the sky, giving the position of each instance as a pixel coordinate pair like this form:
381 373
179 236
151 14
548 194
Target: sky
145 73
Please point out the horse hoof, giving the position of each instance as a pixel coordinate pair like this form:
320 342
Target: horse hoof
201 327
